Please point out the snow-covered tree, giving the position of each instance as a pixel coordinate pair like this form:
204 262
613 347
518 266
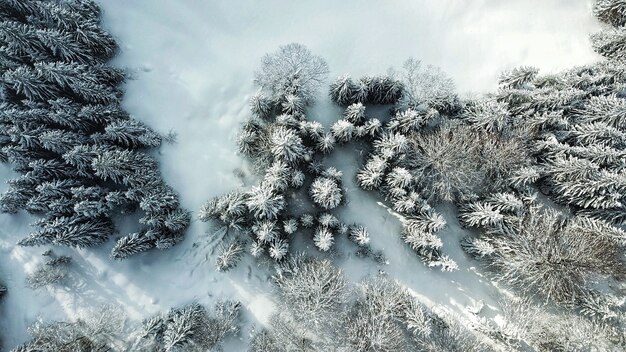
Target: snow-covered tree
54 271
261 106
190 328
372 174
286 145
518 77
355 113
323 238
311 290
230 255
326 192
278 249
544 252
427 85
359 235
342 131
100 329
264 203
62 125
374 321
292 70
610 43
265 231
293 105
611 11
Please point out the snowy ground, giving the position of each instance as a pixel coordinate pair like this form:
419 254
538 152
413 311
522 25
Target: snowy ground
193 63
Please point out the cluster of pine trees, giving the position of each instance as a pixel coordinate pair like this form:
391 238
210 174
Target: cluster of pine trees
434 147
80 155
189 328
287 151
576 124
566 259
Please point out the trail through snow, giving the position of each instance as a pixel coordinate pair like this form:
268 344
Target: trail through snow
192 63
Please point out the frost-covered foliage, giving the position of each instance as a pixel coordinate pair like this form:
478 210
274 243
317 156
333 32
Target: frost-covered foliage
291 76
385 317
542 251
576 126
319 311
382 89
54 271
97 330
525 325
610 43
189 328
566 261
435 148
230 255
427 86
569 258
311 290
287 152
281 336
62 128
326 192
611 11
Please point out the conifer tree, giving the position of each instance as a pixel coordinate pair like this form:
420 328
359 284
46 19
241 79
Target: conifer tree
64 130
611 11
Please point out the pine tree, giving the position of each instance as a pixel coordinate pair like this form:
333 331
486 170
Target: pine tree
610 43
264 203
132 244
230 255
293 105
285 144
355 113
62 102
518 77
371 176
129 134
326 192
265 231
54 271
323 238
611 11
278 249
343 131
261 106
481 214
359 235
344 91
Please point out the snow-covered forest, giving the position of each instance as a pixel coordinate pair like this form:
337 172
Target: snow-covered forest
294 176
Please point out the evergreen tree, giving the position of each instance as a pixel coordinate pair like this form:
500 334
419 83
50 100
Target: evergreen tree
611 11
264 203
53 272
359 235
62 127
610 43
323 238
344 91
518 77
343 131
326 192
230 256
285 144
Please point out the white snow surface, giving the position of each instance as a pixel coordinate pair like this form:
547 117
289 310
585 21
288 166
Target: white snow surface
192 63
